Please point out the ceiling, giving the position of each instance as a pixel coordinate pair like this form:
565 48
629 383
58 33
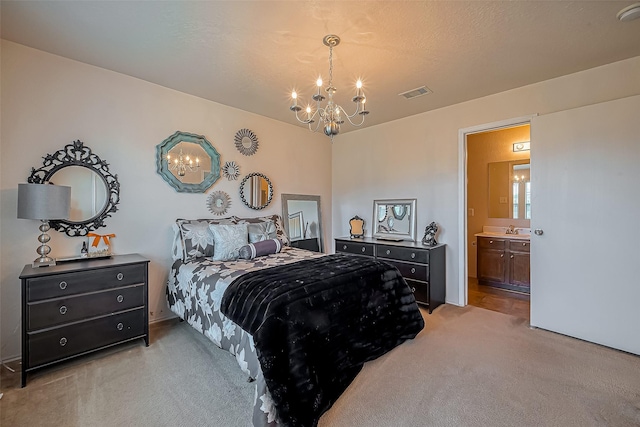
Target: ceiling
251 54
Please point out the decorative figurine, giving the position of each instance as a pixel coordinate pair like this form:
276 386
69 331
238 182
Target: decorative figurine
429 238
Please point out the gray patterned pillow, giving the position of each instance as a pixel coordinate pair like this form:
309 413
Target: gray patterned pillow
277 221
228 239
262 231
196 237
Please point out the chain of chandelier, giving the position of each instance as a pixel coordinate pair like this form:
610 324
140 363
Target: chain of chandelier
331 115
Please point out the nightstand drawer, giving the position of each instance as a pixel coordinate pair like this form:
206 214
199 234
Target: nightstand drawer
357 248
61 285
64 310
402 254
59 343
412 271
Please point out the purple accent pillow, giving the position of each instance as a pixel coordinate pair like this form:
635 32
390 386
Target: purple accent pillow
265 247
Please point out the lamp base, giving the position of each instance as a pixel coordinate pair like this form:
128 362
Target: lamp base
44 261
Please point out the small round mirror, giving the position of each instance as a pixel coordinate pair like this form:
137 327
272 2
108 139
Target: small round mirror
256 191
246 142
218 202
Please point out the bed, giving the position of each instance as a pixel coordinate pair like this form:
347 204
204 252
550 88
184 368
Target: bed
200 290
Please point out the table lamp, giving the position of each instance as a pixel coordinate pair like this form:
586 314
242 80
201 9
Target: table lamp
44 202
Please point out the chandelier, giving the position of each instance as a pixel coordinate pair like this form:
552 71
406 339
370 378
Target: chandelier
332 115
182 164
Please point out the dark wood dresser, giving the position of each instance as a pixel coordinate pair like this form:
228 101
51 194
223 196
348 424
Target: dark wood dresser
423 267
75 308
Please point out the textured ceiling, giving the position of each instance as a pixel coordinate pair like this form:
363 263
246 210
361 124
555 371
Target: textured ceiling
251 54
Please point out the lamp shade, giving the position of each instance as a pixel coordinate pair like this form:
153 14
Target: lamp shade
43 201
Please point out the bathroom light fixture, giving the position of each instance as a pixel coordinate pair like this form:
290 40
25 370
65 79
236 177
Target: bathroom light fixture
332 115
629 13
521 146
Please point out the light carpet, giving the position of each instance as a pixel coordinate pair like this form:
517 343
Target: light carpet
468 367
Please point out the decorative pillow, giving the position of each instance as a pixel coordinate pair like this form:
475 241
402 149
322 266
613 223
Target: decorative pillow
197 240
265 247
262 231
176 246
228 239
277 221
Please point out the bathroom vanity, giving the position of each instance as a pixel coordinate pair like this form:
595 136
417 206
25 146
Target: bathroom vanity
503 261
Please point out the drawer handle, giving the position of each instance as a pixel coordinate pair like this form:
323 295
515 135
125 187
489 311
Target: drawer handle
413 270
63 310
413 255
524 244
388 251
511 256
63 342
413 289
63 285
364 249
119 298
501 255
344 248
120 326
120 276
491 242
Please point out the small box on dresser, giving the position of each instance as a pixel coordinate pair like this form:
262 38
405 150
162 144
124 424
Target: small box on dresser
423 267
75 308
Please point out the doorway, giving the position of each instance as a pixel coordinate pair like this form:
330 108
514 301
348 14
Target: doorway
496 194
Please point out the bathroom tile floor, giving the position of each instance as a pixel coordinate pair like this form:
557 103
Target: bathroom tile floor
500 300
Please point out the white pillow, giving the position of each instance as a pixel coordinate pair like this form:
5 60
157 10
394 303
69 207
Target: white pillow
227 240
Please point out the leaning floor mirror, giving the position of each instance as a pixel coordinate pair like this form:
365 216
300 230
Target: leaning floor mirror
303 221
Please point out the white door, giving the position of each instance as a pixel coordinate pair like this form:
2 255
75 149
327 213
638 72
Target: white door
585 267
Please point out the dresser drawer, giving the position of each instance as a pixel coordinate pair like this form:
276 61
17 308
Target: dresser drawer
420 291
412 271
403 254
519 245
58 343
357 248
61 285
491 243
63 310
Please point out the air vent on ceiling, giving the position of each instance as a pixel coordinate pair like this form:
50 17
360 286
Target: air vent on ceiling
416 92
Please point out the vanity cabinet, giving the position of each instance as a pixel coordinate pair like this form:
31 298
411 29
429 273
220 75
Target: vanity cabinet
423 267
504 263
75 308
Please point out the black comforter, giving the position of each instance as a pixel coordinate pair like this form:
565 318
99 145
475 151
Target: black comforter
316 322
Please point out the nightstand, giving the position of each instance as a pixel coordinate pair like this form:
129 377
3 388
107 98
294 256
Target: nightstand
76 308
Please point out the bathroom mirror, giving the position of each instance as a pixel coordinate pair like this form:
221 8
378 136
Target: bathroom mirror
188 162
95 192
509 189
303 221
394 219
256 191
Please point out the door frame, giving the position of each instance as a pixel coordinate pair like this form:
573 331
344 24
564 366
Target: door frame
463 265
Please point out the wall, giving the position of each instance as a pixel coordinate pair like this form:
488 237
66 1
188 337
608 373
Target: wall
418 156
484 148
49 101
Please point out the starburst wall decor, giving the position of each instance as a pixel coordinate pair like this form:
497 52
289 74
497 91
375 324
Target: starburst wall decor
231 171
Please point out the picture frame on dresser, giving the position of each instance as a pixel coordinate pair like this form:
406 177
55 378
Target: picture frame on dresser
77 308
